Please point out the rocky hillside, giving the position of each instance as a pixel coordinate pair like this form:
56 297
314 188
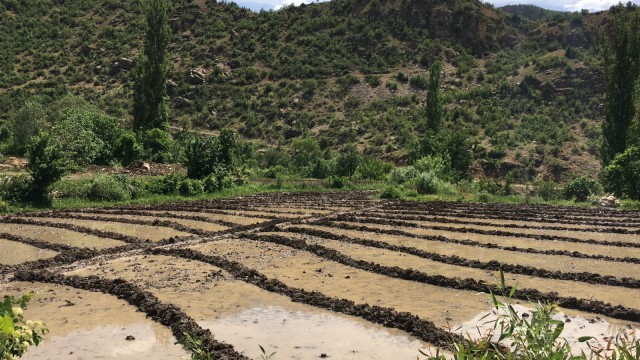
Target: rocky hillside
528 93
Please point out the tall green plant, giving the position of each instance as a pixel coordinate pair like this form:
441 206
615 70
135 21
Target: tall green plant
434 102
152 70
621 59
47 164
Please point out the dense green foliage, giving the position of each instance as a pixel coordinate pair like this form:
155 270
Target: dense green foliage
152 70
434 103
622 176
16 333
621 59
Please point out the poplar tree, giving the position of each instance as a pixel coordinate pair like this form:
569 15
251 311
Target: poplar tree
434 103
152 70
621 60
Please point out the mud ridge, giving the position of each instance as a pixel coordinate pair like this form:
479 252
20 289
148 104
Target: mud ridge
466 230
68 257
442 220
593 306
440 238
159 215
423 329
166 314
526 212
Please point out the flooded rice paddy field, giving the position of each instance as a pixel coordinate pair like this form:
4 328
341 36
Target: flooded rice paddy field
309 275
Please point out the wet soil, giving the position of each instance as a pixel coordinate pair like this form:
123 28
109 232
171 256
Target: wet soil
14 253
550 263
216 300
85 324
144 232
206 226
611 294
303 270
378 231
60 236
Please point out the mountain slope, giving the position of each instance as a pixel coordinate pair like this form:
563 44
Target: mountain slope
344 71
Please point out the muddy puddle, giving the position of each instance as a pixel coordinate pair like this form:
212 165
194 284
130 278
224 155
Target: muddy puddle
523 243
244 316
301 269
548 262
152 233
60 236
575 326
88 325
207 226
14 253
304 335
612 294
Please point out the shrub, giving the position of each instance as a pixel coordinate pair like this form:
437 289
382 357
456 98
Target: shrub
15 190
107 188
622 176
337 182
348 162
26 124
580 189
127 149
390 192
211 183
435 164
547 190
402 174
157 145
205 155
46 165
426 183
191 187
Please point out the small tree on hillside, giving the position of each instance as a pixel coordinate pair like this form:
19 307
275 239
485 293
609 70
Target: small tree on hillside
47 164
434 103
152 70
26 124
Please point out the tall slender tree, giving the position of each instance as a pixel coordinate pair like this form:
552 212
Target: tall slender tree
434 103
152 70
621 60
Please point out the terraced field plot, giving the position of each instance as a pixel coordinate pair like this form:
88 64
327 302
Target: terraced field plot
305 274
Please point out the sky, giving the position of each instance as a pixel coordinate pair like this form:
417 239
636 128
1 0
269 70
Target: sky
562 5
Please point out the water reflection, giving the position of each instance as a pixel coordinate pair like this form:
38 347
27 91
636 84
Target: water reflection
152 341
303 335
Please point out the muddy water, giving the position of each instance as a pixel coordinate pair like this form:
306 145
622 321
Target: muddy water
575 326
87 325
60 236
303 270
562 263
190 223
14 253
611 294
304 335
523 243
244 315
152 233
632 238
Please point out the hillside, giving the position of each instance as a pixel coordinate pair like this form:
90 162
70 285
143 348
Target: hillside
528 93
